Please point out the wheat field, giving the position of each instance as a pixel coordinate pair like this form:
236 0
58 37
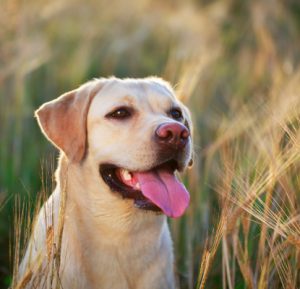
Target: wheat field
236 66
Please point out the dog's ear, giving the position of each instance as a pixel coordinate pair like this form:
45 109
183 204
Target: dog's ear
64 120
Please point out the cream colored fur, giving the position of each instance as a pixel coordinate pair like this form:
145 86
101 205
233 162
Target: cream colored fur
89 235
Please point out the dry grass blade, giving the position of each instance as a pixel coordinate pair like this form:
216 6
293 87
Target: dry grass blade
226 265
210 250
3 200
19 217
282 263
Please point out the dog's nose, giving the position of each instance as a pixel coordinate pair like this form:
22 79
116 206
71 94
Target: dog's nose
173 135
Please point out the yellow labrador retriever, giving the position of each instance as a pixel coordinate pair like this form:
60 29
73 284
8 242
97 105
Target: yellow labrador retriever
104 226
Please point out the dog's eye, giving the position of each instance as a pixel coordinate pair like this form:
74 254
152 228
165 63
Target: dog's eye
176 114
120 113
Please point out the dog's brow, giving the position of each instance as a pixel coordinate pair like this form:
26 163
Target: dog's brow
128 99
160 101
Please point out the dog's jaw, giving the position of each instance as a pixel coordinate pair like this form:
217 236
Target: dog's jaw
156 189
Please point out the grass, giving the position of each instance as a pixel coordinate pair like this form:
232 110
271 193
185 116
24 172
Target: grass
234 63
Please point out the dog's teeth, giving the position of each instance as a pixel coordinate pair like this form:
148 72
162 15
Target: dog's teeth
126 175
138 186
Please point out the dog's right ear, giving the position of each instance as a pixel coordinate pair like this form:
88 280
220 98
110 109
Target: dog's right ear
64 120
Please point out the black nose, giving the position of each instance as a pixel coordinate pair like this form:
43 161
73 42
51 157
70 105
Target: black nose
172 134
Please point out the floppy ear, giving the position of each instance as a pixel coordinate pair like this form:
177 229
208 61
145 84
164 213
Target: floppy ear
64 120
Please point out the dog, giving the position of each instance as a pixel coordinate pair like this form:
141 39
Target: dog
104 226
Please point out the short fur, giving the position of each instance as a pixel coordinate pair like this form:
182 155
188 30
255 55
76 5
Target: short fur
89 235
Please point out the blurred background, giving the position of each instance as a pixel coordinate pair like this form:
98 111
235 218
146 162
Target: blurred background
234 63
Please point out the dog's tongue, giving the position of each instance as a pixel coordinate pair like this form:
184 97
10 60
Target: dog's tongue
163 189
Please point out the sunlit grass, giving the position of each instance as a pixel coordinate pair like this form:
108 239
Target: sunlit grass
235 64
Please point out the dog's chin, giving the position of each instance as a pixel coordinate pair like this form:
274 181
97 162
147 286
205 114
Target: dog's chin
126 183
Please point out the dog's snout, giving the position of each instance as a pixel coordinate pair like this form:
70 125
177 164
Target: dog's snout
173 135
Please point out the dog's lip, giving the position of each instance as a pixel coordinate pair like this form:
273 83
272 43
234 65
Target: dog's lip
110 174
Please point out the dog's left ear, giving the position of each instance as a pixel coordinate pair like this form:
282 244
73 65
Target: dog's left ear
64 120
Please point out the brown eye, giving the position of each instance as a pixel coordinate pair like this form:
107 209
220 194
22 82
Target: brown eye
120 113
176 114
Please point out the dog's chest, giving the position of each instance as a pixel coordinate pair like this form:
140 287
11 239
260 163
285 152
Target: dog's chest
131 264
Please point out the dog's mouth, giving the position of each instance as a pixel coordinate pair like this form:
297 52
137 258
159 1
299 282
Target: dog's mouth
157 189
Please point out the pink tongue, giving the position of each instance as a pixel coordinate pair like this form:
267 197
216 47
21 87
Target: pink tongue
165 191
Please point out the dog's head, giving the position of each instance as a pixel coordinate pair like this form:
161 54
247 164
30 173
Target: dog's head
135 131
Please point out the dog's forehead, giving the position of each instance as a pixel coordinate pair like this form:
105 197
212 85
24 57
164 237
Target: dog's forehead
139 94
